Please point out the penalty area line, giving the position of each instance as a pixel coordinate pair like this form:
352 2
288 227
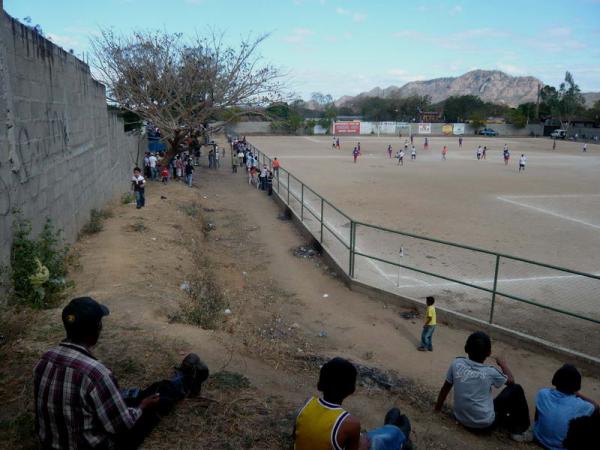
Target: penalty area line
549 212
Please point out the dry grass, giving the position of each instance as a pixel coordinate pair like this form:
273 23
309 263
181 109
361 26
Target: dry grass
206 301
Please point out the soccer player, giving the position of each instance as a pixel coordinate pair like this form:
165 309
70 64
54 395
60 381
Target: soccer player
389 150
413 153
479 152
506 155
426 144
584 148
460 142
333 143
355 154
401 157
337 143
444 151
522 162
484 152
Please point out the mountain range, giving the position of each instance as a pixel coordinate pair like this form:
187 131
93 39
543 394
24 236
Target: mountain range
490 85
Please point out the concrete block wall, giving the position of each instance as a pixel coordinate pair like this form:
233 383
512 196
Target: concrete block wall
62 152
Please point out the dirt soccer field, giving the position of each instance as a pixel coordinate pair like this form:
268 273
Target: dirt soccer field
549 213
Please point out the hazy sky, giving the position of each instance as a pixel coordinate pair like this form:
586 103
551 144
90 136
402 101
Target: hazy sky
345 47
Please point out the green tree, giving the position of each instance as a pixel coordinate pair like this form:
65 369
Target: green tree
458 109
570 101
477 121
517 117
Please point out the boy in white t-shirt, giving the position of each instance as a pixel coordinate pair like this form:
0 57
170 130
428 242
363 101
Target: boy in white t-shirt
138 184
473 380
522 162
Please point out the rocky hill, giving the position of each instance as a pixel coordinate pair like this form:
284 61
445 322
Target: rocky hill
591 98
490 85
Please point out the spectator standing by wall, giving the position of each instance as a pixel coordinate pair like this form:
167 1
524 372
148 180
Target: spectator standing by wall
138 183
153 160
189 171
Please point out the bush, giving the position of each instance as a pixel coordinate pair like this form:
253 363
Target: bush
96 223
37 266
127 198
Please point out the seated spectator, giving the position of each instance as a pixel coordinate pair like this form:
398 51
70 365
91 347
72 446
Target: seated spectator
583 433
473 381
555 408
78 403
322 423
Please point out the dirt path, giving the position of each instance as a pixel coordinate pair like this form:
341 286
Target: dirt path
138 262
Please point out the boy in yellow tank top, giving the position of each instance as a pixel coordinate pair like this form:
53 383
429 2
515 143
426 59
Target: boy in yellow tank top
322 423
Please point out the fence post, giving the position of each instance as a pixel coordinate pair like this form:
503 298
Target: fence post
288 188
301 202
322 220
352 246
494 288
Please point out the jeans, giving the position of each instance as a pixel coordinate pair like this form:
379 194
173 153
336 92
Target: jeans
188 179
140 199
153 172
263 183
390 437
426 335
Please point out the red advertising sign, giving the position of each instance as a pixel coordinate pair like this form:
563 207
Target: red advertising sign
347 128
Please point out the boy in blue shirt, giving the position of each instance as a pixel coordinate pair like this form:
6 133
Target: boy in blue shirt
555 408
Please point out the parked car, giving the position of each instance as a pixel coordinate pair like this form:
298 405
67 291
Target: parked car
488 132
558 134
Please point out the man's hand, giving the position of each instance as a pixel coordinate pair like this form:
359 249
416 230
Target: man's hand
150 402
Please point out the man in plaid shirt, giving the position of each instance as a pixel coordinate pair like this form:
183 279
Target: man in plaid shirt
77 400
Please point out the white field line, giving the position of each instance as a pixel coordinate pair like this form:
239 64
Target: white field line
549 212
552 196
500 280
313 140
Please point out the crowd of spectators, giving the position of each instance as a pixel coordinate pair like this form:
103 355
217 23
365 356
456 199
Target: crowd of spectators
243 156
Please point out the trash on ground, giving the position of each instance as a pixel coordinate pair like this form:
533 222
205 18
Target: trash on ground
304 252
408 315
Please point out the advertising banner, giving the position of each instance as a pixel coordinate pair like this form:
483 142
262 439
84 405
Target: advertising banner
447 129
459 129
424 128
347 128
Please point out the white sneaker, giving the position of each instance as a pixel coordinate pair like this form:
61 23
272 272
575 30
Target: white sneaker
526 436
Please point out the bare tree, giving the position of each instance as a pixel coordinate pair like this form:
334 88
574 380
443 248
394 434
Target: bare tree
184 84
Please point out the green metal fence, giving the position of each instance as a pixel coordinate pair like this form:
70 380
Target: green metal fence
556 304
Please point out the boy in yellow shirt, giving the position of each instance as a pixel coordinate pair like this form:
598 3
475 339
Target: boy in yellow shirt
428 326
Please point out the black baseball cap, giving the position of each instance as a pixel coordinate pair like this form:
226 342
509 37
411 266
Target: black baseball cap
82 312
